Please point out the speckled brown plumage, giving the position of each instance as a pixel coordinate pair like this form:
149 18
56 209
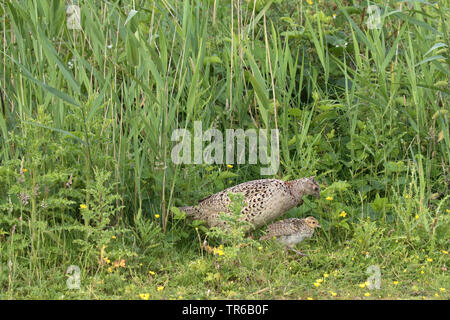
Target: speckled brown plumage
291 231
265 200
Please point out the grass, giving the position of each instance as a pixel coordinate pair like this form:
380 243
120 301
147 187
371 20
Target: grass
86 119
260 274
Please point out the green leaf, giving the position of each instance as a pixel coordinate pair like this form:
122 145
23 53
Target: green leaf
339 186
57 130
132 49
392 166
227 174
439 57
63 96
53 58
130 16
261 97
295 112
380 204
212 60
177 214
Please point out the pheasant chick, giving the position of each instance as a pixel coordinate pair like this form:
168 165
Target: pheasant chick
292 231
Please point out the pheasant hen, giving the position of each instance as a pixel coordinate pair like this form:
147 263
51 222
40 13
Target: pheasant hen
264 201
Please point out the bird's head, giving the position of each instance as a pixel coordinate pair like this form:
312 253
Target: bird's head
312 222
311 187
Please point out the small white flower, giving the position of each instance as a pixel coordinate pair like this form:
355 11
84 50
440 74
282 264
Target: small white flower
109 46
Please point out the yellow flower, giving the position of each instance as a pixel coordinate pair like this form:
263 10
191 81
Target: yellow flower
230 166
156 216
160 288
367 294
260 248
429 260
334 294
83 206
113 237
404 270
329 198
325 275
447 210
334 15
444 252
316 284
442 289
180 297
319 280
417 216
309 298
152 273
422 272
395 282
110 269
144 296
363 285
220 252
106 260
436 295
309 2
407 196
24 170
343 214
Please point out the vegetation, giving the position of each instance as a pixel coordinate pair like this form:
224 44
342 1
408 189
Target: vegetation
87 180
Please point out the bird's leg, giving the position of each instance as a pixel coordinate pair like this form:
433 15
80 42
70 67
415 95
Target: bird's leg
204 244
